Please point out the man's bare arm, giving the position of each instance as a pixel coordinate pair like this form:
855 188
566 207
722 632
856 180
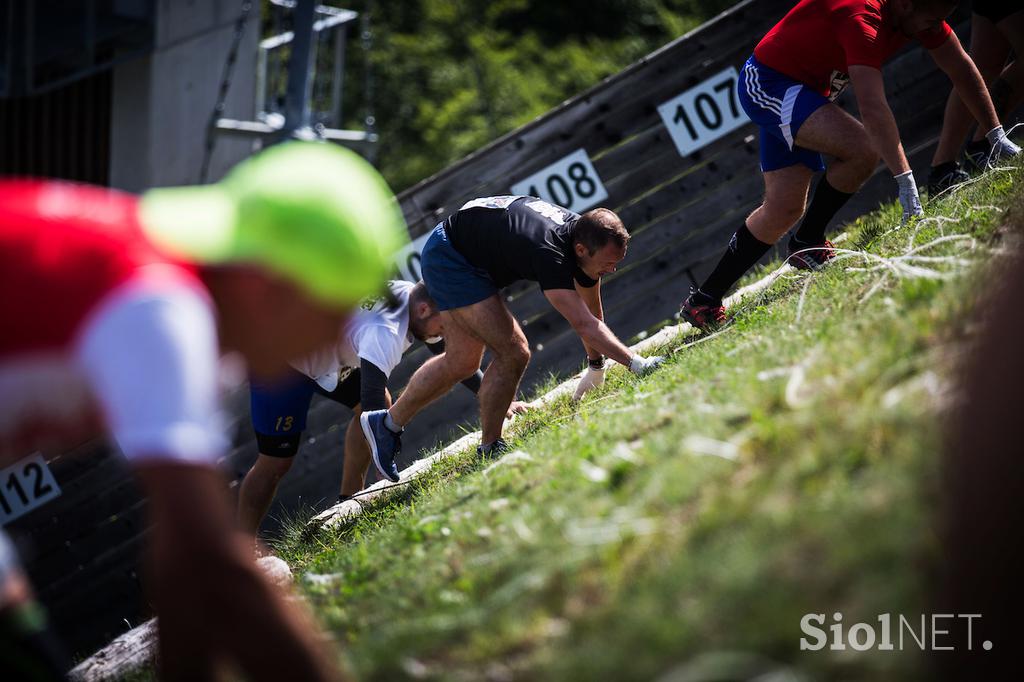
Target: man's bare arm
213 602
967 80
877 117
594 333
592 298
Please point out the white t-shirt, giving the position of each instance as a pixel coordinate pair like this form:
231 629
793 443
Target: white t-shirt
379 335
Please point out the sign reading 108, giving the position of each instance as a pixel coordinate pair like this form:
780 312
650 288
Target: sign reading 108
571 182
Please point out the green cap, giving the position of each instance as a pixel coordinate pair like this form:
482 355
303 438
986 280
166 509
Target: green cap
314 213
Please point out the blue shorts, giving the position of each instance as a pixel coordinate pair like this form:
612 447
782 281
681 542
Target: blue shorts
779 105
451 280
279 409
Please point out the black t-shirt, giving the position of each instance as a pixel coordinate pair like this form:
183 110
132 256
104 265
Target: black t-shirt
515 238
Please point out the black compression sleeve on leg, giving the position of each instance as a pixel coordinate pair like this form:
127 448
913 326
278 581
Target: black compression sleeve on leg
473 382
743 252
825 204
372 385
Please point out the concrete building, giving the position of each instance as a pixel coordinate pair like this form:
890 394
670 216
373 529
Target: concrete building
121 92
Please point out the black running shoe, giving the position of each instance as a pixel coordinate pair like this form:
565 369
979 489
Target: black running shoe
810 256
493 450
944 176
976 156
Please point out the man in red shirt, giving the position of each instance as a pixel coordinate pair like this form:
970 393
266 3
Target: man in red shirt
117 310
786 89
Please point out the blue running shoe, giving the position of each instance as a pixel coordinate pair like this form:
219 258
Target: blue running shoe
385 444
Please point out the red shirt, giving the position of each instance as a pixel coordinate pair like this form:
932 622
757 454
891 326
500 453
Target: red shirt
818 40
100 329
64 246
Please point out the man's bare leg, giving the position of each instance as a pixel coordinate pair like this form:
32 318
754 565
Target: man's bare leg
832 131
1008 94
258 490
357 454
357 458
492 322
437 376
785 195
988 50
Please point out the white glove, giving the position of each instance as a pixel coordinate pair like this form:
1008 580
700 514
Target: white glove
592 379
909 198
640 365
1002 146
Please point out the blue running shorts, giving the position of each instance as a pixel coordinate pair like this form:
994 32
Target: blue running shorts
279 408
779 105
451 279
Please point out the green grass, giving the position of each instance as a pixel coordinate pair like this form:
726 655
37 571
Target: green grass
621 546
678 527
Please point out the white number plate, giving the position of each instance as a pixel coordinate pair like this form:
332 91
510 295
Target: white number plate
24 486
408 259
704 113
571 182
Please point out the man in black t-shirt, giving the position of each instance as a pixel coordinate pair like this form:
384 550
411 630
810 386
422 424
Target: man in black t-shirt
488 244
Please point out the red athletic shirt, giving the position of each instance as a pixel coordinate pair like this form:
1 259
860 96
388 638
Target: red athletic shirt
65 246
101 331
818 40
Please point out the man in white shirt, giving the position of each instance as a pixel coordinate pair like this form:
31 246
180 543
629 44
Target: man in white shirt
353 372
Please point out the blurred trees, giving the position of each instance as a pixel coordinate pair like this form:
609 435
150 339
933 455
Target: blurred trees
446 77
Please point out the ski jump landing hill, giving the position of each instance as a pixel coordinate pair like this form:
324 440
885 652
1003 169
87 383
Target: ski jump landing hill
664 143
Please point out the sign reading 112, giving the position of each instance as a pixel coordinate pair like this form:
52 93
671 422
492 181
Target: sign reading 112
571 182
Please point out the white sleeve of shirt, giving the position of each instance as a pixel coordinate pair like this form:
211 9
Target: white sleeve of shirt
152 358
380 344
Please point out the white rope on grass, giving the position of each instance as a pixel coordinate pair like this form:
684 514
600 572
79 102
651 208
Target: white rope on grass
803 296
959 187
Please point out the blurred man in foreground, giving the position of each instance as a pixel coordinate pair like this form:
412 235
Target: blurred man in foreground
982 550
117 310
488 244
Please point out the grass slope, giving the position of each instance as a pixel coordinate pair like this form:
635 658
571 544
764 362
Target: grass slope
681 525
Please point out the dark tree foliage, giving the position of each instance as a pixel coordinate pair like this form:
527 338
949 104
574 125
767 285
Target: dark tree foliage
449 76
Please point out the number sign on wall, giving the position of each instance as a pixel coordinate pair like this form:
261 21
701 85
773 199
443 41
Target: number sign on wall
25 485
571 182
408 259
704 113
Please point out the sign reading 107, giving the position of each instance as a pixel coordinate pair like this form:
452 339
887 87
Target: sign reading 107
571 182
703 113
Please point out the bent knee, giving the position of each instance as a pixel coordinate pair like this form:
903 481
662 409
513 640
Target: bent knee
272 467
462 368
518 354
862 155
867 160
783 213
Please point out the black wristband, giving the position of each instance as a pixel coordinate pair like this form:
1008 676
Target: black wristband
596 363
